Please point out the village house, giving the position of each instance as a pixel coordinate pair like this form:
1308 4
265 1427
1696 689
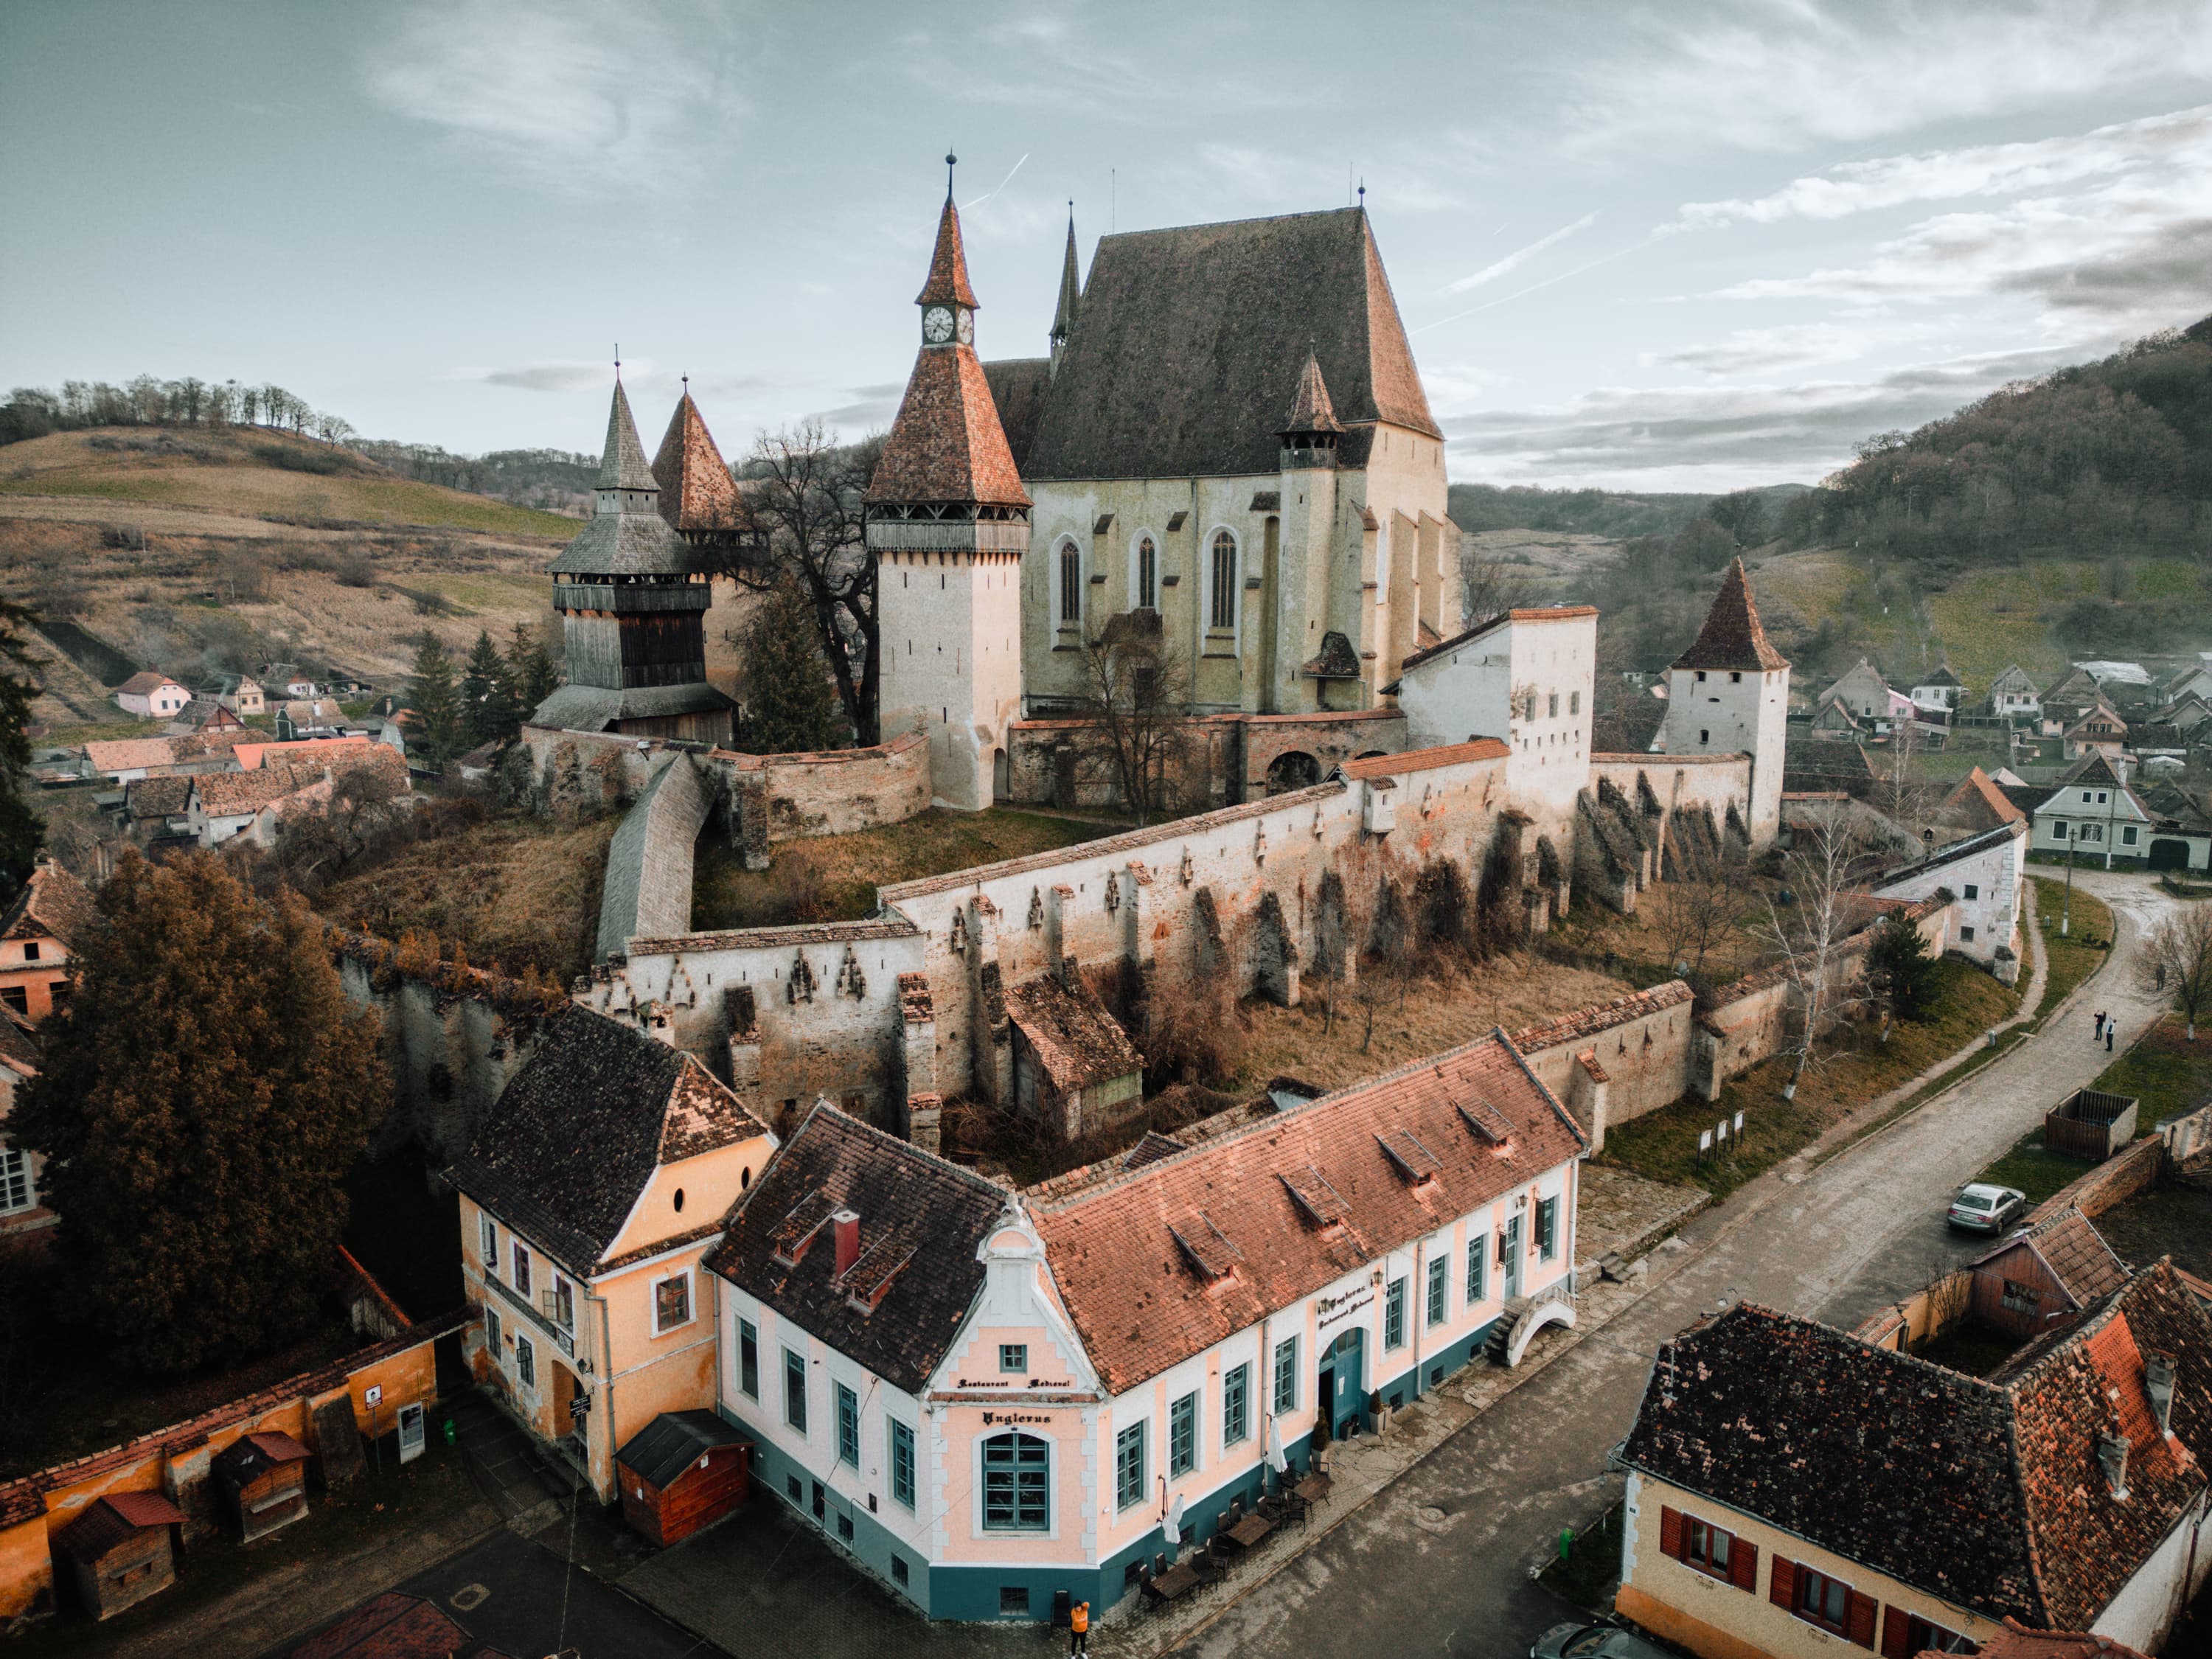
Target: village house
242 694
2098 730
985 1397
1868 695
1984 875
2043 1274
150 696
1977 805
254 802
45 925
2091 811
202 715
2014 693
1791 1488
598 1181
1939 690
20 1170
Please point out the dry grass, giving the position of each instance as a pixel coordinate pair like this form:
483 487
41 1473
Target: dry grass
846 870
1441 1009
515 892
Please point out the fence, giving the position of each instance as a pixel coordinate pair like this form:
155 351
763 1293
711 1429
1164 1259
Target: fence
2090 1123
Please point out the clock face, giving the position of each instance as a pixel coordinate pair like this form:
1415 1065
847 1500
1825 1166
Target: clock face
965 325
936 325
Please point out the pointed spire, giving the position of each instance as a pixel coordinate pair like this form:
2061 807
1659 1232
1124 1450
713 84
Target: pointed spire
1311 410
623 466
1732 637
696 490
948 266
1071 288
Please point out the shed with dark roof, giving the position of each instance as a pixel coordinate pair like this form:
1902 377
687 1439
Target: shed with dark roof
121 1550
683 1471
263 1479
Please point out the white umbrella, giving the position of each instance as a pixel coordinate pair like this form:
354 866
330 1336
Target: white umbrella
1276 1459
1172 1527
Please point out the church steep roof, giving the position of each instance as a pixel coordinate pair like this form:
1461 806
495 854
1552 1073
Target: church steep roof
948 265
623 466
1018 386
1071 286
697 492
1179 361
1732 637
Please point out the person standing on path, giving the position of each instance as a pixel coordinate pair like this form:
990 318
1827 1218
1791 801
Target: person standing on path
2108 1037
1079 1628
2097 1030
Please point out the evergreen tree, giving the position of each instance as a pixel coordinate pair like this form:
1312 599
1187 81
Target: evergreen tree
21 831
436 701
789 704
1901 964
529 671
199 1105
487 695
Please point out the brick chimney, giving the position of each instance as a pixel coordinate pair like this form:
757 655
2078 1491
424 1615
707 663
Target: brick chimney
847 1227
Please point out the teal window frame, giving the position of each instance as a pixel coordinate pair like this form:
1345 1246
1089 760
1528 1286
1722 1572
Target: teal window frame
1439 1293
1129 1466
1182 1435
902 1464
1017 1483
1393 1315
1477 1266
1014 1358
1237 1404
1547 1229
1286 1375
848 1426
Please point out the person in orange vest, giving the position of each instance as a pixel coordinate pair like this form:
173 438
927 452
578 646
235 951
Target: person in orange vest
1079 1628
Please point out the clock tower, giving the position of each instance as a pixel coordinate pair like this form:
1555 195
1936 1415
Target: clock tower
948 522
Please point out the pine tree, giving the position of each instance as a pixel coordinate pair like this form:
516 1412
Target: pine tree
22 830
487 695
436 703
789 705
1900 961
199 1106
529 671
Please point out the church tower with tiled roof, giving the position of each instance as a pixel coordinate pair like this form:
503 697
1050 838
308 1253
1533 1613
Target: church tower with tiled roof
1729 693
633 594
948 523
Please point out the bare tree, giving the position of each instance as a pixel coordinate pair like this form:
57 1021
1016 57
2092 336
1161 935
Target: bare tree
1809 933
1489 586
802 519
1909 801
2177 962
1137 697
1695 914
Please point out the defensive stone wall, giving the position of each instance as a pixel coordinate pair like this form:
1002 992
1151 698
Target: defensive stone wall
649 861
1236 758
1640 1045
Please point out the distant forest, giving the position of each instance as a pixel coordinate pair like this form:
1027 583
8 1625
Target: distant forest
2104 457
1476 506
551 478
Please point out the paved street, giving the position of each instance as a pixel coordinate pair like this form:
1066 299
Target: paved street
1835 1242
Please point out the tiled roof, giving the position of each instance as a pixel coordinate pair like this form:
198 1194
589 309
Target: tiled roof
2017 1641
947 444
1989 1491
1075 1040
252 755
1879 1456
156 798
1970 846
127 754
1524 613
2077 1256
1732 637
51 904
1018 386
146 680
577 1133
1123 1252
1310 407
395 1625
233 794
19 1043
916 1209
622 465
696 490
113 1517
1978 798
1602 1017
1187 348
1425 760
947 284
755 938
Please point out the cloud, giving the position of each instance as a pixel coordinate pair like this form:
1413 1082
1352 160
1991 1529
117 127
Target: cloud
870 408
1690 437
2182 138
561 376
1519 256
1773 75
1790 345
579 93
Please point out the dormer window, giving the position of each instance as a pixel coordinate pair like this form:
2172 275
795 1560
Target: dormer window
1204 1246
1414 1161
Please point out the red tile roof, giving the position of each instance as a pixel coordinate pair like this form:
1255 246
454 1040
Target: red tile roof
126 754
1161 1263
1732 637
145 680
948 264
53 904
696 491
1311 409
2017 1641
946 445
1426 760
1074 1038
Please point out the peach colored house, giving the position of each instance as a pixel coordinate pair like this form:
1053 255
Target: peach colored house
44 927
984 1397
599 1178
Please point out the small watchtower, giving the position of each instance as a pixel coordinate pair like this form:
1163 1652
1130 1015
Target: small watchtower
633 593
1729 693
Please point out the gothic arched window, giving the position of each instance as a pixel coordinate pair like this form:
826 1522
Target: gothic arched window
1016 1484
1071 584
1224 611
1148 574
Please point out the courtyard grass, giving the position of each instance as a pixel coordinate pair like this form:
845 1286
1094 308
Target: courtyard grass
1855 1067
834 878
2167 1072
2083 950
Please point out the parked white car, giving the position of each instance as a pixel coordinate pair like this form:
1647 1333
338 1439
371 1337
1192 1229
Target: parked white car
1979 1208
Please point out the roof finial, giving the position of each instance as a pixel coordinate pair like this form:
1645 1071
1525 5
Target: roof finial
950 161
686 379
618 362
1363 193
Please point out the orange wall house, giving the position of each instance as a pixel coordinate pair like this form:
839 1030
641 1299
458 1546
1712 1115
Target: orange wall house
38 933
597 1183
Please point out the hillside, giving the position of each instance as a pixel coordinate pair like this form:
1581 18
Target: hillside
2112 457
253 472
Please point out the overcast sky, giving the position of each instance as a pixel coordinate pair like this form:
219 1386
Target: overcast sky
1686 246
